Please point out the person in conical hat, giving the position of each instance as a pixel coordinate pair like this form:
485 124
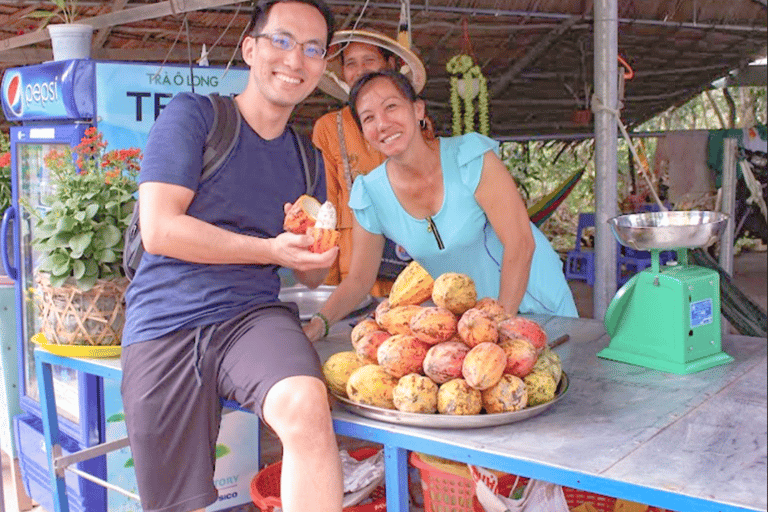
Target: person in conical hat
346 153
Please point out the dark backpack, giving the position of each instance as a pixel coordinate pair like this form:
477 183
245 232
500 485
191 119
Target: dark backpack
218 145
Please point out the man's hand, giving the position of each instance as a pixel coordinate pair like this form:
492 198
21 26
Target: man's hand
292 251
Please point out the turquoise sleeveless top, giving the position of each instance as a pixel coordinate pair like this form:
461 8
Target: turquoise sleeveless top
470 245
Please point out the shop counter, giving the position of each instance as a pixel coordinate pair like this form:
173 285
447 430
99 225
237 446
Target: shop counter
687 443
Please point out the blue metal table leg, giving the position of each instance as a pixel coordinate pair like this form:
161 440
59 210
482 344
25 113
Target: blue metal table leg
396 478
51 431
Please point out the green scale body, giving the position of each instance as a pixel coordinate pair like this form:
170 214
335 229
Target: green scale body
667 319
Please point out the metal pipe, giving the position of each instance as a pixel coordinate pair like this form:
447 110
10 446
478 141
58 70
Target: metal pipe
606 36
554 16
104 483
729 204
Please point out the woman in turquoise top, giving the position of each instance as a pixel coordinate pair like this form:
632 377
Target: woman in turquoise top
450 202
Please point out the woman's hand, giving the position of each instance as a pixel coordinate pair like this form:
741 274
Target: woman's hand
314 329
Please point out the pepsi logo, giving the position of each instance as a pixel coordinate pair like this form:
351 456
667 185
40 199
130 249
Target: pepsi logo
14 94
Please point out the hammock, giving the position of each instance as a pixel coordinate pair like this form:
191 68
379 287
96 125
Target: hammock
547 205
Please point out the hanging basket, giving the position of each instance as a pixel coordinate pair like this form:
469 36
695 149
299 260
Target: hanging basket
71 316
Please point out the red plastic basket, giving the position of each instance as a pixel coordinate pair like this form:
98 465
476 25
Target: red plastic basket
265 487
574 498
448 492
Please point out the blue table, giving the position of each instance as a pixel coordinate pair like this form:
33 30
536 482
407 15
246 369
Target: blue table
681 442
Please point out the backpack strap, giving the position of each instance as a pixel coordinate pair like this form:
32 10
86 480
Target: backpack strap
223 135
310 159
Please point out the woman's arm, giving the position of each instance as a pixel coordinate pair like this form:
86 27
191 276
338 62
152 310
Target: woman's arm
498 196
367 249
167 229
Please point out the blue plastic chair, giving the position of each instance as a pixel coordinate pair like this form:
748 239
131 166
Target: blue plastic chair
580 262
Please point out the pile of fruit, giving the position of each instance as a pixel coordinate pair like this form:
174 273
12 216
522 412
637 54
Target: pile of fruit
460 356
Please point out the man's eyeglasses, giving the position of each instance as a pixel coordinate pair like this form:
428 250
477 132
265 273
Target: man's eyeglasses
287 43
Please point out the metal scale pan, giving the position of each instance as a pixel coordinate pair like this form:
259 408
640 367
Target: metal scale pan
668 230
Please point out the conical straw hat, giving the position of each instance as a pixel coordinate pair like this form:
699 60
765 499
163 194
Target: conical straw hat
332 81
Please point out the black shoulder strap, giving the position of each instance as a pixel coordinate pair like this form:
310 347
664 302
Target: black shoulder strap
223 135
310 159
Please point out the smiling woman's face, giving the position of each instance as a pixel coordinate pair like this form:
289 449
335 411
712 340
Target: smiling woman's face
388 119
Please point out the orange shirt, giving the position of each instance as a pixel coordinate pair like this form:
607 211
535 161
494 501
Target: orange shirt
362 159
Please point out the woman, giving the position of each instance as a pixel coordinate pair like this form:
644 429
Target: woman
450 202
345 152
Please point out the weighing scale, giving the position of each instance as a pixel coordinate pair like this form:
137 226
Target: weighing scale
667 317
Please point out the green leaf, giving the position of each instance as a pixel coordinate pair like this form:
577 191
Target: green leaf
85 283
78 269
91 268
129 463
66 224
115 418
92 210
57 281
45 264
107 256
61 269
59 240
79 243
222 450
109 235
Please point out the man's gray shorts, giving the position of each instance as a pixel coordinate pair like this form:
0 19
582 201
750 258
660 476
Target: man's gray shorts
171 392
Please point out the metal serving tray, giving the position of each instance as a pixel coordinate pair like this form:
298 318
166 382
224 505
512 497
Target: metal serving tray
450 421
310 301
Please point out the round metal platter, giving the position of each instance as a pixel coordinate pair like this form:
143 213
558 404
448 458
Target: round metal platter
310 301
450 421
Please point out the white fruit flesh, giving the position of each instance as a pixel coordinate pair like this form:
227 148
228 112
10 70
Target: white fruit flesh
326 216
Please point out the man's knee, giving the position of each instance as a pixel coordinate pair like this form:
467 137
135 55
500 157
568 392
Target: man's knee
297 404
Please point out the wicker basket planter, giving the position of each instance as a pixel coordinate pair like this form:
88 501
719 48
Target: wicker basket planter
71 316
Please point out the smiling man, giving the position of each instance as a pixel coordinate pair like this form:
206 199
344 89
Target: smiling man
203 317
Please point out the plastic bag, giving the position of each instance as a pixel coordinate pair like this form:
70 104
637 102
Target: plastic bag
538 496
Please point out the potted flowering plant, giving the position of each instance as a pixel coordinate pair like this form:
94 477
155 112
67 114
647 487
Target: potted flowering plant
5 184
5 174
80 241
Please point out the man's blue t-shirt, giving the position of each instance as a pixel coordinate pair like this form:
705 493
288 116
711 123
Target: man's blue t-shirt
245 196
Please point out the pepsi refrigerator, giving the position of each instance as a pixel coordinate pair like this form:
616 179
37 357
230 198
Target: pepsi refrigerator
54 103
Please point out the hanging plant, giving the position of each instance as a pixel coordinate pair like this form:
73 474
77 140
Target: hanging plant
467 85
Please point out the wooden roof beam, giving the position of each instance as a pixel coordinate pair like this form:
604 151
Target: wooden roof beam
101 36
538 49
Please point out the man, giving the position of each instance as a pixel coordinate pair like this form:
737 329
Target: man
203 320
359 52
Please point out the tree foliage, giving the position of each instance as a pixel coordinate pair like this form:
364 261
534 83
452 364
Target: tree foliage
541 166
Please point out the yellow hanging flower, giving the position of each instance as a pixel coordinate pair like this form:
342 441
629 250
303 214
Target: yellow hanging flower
462 65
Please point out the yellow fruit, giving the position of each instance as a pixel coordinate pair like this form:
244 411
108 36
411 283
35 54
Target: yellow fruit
541 387
337 370
455 292
457 397
508 395
415 393
412 286
371 385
